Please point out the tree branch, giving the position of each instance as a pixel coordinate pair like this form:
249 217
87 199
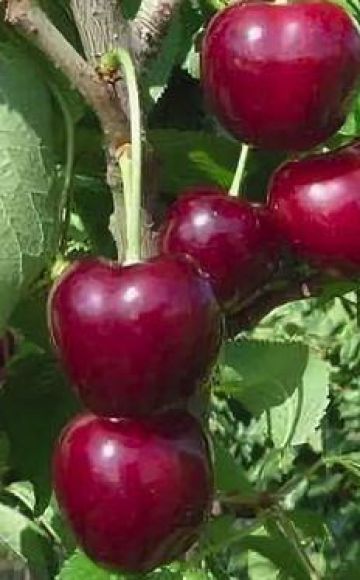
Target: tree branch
150 27
271 296
102 28
30 20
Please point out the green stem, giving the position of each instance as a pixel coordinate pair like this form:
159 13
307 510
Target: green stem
65 197
131 167
290 485
234 190
291 533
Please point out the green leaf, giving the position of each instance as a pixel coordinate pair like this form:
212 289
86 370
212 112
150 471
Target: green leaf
93 204
351 462
130 7
35 404
262 374
349 571
4 453
285 380
23 492
159 72
54 521
295 421
229 475
189 158
273 545
79 567
260 568
22 538
311 524
174 49
28 203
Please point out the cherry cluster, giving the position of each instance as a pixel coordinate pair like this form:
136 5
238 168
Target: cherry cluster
133 474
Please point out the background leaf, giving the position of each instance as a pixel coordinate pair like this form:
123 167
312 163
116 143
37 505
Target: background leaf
296 420
262 374
79 567
21 537
28 202
35 405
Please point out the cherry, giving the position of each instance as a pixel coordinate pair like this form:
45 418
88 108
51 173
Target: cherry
138 338
231 240
280 76
316 205
135 491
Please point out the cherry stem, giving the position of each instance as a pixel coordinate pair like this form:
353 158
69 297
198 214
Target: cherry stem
130 164
234 190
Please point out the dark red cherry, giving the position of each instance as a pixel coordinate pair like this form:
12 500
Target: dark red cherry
230 239
138 338
281 76
135 491
316 205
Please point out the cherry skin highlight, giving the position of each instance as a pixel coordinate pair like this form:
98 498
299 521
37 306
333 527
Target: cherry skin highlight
281 76
135 491
315 203
232 240
134 339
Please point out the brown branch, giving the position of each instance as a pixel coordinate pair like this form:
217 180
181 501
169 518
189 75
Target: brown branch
102 28
30 20
150 27
270 297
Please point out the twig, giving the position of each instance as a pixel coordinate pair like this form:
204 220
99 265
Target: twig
150 27
30 20
270 296
102 28
290 532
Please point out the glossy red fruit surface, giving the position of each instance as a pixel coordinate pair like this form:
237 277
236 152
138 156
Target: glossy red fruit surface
138 338
135 492
316 205
231 240
281 76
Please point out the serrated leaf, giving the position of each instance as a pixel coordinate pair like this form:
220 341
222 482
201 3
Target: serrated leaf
21 537
28 201
79 567
34 406
159 72
261 374
297 419
188 158
229 475
174 49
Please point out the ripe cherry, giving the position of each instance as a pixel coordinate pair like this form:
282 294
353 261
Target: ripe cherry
135 491
138 338
230 239
281 76
316 206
